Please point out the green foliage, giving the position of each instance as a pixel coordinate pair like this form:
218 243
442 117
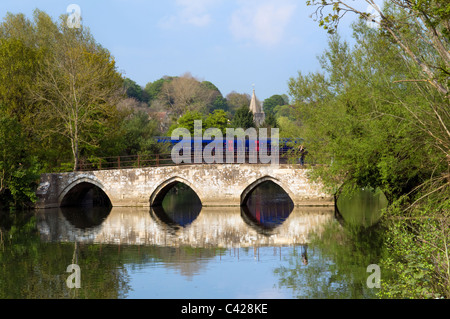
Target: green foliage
210 86
418 252
437 12
270 121
187 121
243 118
378 117
289 111
272 102
288 128
133 90
218 119
138 133
43 62
354 118
23 183
19 173
153 89
237 100
18 65
220 103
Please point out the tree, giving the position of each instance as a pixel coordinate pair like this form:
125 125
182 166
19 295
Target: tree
428 20
186 93
378 118
243 118
270 121
138 132
133 90
289 128
18 172
272 102
420 31
218 119
348 121
19 62
288 111
18 65
187 121
153 89
218 101
237 100
77 89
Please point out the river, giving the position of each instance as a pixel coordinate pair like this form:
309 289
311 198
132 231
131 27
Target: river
267 249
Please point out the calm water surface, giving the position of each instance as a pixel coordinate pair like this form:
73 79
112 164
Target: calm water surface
267 249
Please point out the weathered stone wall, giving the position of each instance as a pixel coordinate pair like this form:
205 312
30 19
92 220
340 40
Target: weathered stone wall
215 185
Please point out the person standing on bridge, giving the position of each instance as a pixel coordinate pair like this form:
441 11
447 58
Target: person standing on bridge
302 152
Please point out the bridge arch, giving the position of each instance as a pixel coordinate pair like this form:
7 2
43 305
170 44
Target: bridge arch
82 184
248 190
161 190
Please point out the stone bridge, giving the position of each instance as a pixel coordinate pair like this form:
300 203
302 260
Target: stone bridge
215 185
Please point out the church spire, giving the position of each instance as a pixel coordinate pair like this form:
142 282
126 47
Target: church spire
253 104
255 107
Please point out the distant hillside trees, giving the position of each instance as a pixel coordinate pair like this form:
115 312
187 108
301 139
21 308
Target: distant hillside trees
272 102
178 95
135 91
237 100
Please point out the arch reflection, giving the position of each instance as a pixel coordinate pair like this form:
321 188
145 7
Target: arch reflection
267 207
85 217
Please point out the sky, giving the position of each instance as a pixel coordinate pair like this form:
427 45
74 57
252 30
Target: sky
234 44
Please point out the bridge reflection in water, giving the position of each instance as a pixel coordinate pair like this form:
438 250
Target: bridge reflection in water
214 227
268 218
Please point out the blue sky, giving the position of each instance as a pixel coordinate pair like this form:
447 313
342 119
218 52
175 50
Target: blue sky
231 43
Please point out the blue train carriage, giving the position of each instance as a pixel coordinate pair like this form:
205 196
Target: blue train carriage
285 144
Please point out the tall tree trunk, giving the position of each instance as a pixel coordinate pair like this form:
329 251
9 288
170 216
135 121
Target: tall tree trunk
74 142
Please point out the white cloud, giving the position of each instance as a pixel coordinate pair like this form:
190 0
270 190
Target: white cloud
263 23
192 12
